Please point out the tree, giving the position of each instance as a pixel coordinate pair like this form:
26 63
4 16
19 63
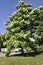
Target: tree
23 25
18 28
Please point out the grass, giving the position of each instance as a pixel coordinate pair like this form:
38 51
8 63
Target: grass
21 60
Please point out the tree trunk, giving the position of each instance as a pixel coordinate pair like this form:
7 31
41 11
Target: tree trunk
22 52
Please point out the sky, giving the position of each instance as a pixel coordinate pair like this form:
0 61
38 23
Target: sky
7 7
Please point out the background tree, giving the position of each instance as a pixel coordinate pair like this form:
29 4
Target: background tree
2 39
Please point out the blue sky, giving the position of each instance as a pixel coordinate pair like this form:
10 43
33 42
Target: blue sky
7 7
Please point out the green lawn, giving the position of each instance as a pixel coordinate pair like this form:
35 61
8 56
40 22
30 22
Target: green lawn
19 60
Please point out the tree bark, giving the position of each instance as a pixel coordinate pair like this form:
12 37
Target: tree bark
22 52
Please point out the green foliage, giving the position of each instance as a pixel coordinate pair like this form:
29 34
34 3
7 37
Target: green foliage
36 19
29 49
7 53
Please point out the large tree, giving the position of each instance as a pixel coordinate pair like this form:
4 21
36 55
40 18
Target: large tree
18 29
24 29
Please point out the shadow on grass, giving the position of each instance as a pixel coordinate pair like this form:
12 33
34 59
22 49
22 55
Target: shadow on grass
32 54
